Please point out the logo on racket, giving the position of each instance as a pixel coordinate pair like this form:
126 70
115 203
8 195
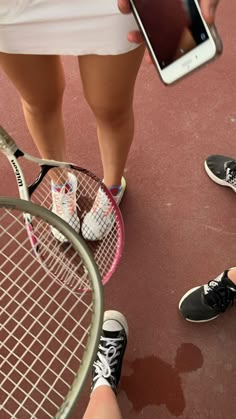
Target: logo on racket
17 173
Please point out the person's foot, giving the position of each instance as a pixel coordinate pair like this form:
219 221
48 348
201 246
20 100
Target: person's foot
99 221
108 363
206 302
222 170
64 204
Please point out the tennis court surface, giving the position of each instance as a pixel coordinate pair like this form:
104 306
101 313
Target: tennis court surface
180 232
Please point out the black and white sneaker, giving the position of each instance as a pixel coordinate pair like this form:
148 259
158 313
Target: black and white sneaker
205 303
111 349
222 170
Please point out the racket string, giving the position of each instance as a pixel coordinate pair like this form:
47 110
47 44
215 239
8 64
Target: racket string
45 320
107 251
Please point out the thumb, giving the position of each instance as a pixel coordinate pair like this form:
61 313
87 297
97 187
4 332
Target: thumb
124 6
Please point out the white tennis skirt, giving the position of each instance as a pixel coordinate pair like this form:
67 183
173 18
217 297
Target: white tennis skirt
64 27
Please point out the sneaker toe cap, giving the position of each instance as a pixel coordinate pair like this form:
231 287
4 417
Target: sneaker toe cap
91 229
216 164
194 308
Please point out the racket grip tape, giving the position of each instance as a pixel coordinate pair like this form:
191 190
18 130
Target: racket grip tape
7 144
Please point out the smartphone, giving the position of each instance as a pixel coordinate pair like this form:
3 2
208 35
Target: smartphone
178 38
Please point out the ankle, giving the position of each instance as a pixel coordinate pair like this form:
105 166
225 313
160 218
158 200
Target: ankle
232 275
101 382
112 182
115 190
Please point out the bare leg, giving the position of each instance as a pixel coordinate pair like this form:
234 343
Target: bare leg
108 83
103 405
232 275
40 83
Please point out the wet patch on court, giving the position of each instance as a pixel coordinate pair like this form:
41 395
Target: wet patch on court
155 382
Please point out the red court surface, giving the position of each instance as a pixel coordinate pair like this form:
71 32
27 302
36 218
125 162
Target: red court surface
180 232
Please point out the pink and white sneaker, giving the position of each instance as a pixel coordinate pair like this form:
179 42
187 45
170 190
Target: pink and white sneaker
100 219
64 204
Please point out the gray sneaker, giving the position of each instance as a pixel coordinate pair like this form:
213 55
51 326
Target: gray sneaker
222 170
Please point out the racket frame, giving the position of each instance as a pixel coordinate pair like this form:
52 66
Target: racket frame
10 149
27 207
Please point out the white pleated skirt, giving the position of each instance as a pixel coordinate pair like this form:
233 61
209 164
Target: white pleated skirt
64 27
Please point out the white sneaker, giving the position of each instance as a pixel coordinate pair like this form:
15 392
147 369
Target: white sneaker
100 219
64 205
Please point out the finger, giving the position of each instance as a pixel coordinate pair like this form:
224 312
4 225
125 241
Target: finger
208 8
148 58
124 6
135 37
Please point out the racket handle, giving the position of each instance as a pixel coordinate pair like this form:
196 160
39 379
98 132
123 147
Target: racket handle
7 144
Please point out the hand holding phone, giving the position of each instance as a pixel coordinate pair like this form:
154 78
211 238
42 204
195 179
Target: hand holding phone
178 38
186 40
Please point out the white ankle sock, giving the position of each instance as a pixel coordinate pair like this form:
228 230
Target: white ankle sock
101 382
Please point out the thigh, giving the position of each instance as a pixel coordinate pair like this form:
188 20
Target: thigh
39 79
108 81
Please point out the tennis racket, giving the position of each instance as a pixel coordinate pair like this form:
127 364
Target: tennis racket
106 251
49 332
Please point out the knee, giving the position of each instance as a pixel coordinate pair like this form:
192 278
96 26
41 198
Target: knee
110 109
114 115
44 105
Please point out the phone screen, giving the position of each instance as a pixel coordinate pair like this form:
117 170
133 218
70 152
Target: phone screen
173 27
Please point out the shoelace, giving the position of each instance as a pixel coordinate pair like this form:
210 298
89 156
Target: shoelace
230 168
102 203
219 295
65 200
108 358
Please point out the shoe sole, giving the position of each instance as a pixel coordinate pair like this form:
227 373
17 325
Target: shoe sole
58 236
216 179
123 184
119 317
186 318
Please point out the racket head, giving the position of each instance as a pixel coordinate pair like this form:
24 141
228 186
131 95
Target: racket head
49 330
107 251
